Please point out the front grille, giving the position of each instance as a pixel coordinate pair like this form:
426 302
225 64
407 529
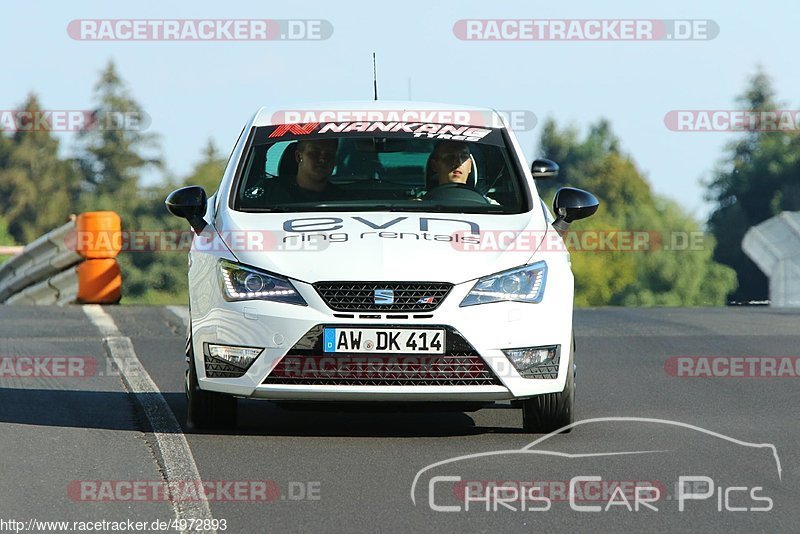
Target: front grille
306 364
458 369
360 296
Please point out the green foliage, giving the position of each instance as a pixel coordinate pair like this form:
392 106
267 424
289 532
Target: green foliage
758 179
645 276
208 172
160 272
600 276
5 237
37 189
684 276
112 161
114 154
161 277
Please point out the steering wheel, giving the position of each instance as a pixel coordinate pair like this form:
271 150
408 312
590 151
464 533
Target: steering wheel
460 193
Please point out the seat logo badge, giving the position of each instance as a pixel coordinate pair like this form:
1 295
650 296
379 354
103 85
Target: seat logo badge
384 296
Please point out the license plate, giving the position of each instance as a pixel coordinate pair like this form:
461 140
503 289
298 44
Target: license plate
387 341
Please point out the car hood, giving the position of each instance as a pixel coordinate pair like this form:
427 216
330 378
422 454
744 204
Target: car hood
382 246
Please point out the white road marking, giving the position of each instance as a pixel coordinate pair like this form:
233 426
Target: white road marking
177 460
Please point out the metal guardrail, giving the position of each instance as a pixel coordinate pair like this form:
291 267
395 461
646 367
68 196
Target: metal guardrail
66 265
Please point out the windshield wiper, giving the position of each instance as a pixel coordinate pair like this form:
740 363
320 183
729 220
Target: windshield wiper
415 207
265 210
450 208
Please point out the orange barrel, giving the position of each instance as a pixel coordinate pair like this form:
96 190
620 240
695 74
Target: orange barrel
99 282
99 234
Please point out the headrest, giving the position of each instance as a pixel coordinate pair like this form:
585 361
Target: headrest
287 166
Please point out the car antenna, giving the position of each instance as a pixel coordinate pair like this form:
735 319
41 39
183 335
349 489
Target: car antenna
374 77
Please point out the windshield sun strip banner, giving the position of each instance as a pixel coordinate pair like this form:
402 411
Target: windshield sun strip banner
396 130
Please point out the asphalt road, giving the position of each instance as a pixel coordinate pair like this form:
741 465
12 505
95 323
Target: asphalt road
68 436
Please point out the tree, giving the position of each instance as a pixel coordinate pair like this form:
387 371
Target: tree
680 271
115 152
5 237
638 276
37 189
112 157
160 277
208 172
759 178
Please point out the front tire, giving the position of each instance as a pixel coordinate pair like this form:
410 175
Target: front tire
551 411
207 409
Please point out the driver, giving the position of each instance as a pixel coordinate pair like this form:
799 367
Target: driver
315 163
451 162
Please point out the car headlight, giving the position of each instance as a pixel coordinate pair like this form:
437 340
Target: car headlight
240 282
525 284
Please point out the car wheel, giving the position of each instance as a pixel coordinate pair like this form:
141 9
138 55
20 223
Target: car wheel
207 409
552 411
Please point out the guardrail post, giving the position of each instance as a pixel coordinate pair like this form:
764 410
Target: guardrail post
45 271
99 282
99 240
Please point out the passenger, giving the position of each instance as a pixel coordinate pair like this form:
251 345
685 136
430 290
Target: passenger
315 162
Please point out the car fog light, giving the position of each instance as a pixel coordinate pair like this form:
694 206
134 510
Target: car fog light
527 358
241 357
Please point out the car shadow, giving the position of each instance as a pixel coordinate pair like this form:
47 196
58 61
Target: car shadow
109 410
266 418
112 410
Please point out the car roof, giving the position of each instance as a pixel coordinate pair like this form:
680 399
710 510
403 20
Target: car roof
386 110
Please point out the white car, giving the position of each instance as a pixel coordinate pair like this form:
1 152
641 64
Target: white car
380 252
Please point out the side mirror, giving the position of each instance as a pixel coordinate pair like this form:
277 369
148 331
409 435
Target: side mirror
189 203
571 204
544 168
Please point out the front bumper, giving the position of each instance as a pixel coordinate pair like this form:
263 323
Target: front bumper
384 393
278 328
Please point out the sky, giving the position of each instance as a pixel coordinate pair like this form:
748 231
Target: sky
195 91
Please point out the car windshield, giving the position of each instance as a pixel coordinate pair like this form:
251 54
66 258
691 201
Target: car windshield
380 167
